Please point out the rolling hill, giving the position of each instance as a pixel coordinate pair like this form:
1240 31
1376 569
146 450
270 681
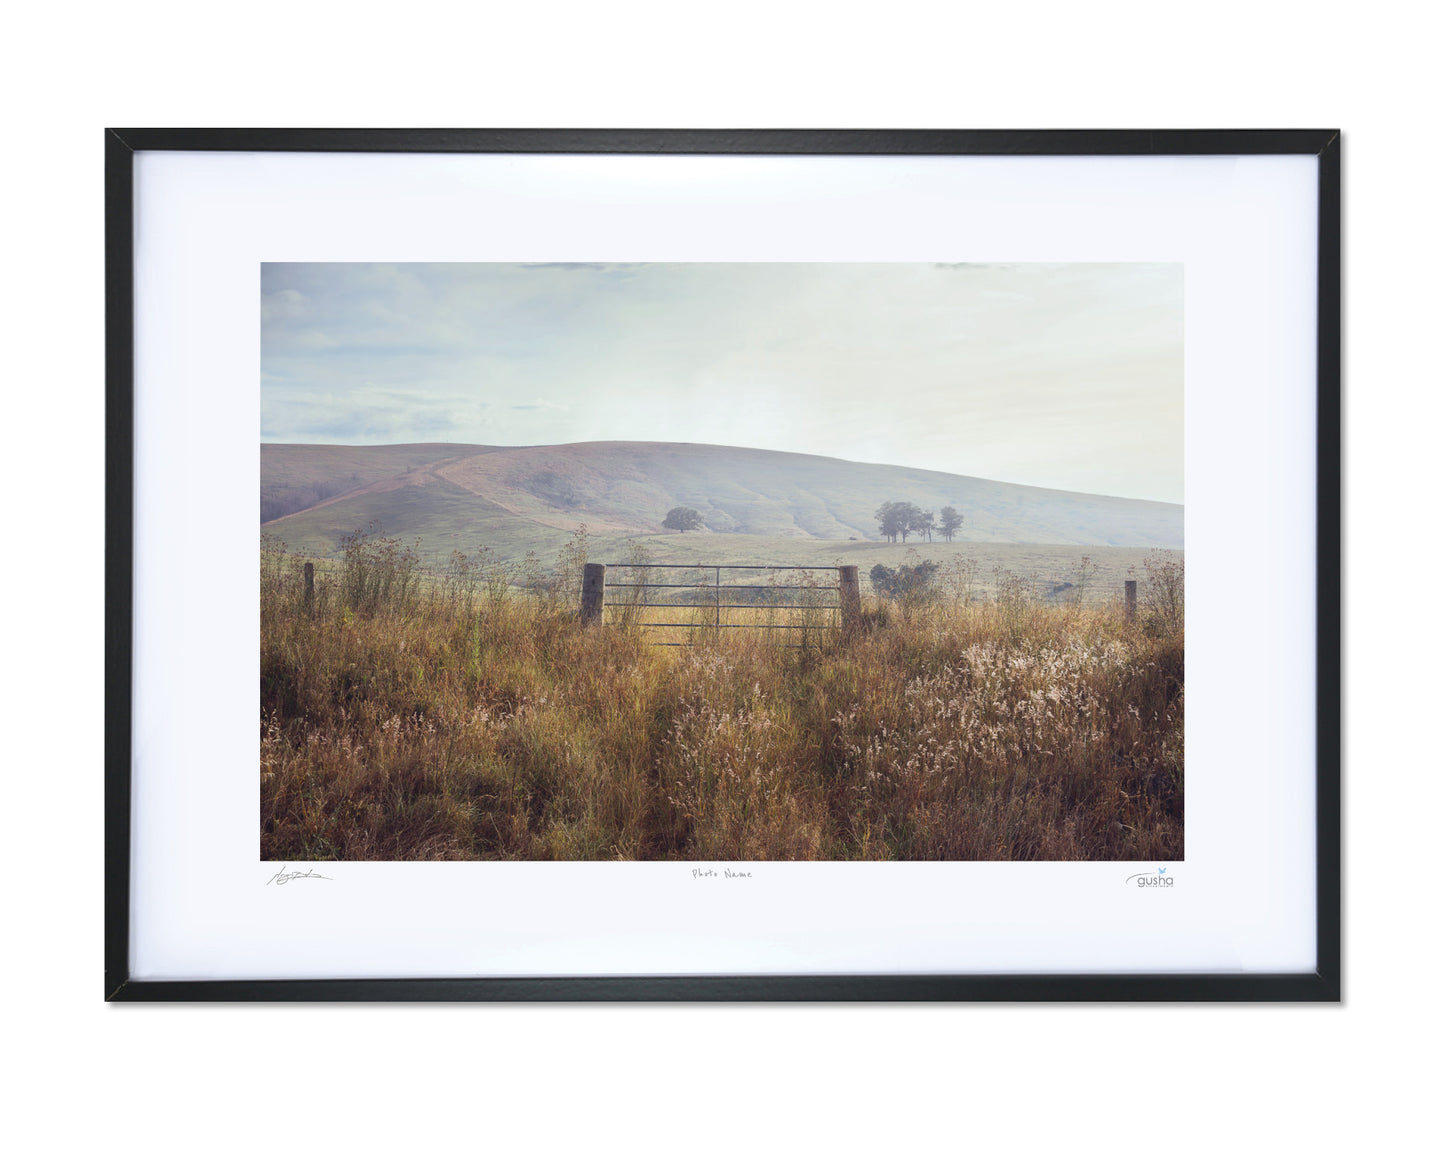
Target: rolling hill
516 499
297 476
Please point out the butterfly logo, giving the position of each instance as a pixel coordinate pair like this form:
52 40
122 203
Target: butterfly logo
1161 871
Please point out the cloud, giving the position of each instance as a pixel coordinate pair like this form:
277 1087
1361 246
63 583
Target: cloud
284 304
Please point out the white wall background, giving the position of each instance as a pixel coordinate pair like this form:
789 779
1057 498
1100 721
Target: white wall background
695 1084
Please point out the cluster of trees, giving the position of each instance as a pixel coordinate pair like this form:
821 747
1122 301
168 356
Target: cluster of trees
907 582
900 520
895 520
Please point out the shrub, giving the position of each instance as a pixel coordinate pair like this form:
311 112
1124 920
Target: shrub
1164 594
908 582
378 574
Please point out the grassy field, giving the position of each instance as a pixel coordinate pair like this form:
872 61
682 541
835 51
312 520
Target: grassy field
408 715
966 568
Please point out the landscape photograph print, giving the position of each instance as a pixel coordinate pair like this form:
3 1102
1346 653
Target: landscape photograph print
722 562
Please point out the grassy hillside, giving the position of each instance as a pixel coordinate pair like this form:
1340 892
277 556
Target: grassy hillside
520 499
297 476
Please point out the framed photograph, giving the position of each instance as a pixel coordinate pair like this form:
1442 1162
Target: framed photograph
723 565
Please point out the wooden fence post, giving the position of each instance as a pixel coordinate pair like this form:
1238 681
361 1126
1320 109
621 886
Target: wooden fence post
1131 600
309 575
849 599
593 577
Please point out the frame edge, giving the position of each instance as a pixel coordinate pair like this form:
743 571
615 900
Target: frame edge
119 549
1329 469
1324 986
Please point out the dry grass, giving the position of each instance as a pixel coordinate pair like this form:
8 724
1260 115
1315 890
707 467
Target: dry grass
457 719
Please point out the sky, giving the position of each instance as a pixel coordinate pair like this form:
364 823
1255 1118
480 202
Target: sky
1056 375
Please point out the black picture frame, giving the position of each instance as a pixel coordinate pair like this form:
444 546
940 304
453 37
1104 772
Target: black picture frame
121 148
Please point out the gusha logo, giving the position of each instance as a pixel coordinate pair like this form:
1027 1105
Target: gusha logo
1150 880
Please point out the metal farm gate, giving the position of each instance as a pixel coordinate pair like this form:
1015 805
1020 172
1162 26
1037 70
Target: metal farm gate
702 598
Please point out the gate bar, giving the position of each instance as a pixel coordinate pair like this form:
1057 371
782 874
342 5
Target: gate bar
680 604
703 584
738 567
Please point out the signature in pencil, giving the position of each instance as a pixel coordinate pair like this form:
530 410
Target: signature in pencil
283 876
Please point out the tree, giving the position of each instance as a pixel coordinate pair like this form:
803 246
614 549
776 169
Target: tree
888 517
922 522
949 521
682 519
898 519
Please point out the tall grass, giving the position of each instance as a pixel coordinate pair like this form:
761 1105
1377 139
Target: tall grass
450 718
